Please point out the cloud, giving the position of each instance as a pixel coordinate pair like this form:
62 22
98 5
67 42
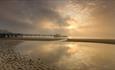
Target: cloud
101 21
23 15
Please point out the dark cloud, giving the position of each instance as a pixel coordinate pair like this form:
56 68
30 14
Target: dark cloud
23 14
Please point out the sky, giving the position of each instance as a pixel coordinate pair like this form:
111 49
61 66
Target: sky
78 18
74 18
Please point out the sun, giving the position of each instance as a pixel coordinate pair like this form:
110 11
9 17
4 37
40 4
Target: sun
75 17
72 24
71 27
